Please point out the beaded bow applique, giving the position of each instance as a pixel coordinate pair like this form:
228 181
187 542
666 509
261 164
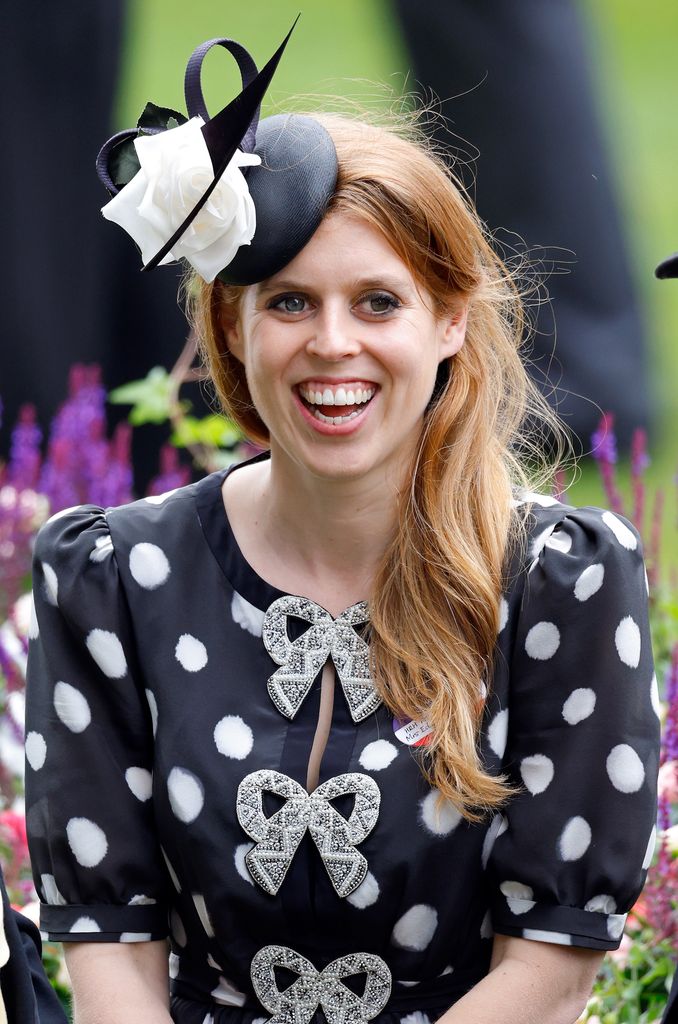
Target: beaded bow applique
298 1003
301 660
278 837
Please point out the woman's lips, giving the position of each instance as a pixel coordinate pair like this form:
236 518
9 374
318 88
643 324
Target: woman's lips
340 409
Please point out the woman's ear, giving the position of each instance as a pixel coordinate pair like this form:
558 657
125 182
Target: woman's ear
230 326
452 330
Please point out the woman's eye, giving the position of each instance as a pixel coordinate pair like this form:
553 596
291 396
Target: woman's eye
379 303
289 304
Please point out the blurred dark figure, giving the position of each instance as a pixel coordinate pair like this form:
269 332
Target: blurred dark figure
26 996
515 83
70 287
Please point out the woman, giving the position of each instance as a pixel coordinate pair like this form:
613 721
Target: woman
336 830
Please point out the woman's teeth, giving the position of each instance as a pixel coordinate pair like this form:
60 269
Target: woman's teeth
319 400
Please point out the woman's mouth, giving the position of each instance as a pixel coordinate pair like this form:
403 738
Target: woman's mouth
338 403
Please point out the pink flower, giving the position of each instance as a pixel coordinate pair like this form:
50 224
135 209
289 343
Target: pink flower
621 955
668 781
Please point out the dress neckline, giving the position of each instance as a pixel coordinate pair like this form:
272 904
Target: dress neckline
221 540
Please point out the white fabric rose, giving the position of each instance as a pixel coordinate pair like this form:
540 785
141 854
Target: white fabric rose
176 169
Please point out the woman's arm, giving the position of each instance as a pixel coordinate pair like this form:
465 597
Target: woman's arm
119 982
529 983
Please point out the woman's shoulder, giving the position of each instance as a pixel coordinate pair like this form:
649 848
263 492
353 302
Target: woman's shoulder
570 547
89 532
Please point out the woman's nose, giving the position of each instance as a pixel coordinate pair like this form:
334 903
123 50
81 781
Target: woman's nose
333 336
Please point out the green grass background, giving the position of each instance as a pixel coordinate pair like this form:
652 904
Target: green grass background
353 48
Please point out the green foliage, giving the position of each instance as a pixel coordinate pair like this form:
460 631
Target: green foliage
634 990
150 398
214 431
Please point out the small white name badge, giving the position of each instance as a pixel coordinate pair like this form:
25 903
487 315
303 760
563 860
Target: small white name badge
411 732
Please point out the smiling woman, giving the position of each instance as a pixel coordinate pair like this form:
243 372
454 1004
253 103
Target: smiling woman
379 715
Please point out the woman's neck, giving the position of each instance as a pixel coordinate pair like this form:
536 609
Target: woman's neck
305 534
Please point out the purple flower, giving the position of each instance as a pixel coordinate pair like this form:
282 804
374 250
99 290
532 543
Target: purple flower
603 440
172 473
25 457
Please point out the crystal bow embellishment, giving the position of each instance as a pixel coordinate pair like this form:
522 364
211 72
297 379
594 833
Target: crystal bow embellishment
301 660
298 1003
278 837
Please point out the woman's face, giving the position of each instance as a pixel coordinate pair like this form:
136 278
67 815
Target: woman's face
341 350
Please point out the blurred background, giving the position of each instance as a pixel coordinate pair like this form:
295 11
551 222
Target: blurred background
564 129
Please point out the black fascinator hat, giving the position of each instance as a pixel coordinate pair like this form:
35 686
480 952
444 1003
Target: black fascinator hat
234 196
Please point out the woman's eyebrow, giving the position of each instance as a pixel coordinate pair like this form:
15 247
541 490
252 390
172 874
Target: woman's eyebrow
386 281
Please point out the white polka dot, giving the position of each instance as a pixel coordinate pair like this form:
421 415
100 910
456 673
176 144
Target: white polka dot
498 732
647 582
407 984
559 938
85 924
446 970
36 750
377 755
51 588
518 896
537 772
33 628
503 613
239 855
50 891
186 794
439 816
544 500
71 707
579 705
542 641
87 841
107 651
140 781
226 994
153 708
148 565
135 936
621 531
190 653
211 962
246 615
157 499
486 929
654 696
172 873
233 737
177 929
63 512
415 929
201 908
539 543
602 904
615 925
417 1016
589 582
575 839
141 901
103 547
498 826
625 769
649 852
366 894
173 965
627 641
559 540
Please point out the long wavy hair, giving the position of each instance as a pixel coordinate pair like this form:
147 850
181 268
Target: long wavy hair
434 608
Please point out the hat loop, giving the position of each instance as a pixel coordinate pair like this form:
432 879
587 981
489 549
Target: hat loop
195 102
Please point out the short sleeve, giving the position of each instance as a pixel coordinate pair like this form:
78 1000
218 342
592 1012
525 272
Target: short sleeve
89 745
571 850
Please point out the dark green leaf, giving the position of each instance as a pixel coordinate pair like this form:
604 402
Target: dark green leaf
123 163
154 116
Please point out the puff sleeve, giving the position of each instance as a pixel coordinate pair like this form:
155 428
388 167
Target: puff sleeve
89 745
571 850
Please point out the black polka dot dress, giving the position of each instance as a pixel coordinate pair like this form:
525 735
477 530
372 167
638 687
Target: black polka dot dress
173 700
